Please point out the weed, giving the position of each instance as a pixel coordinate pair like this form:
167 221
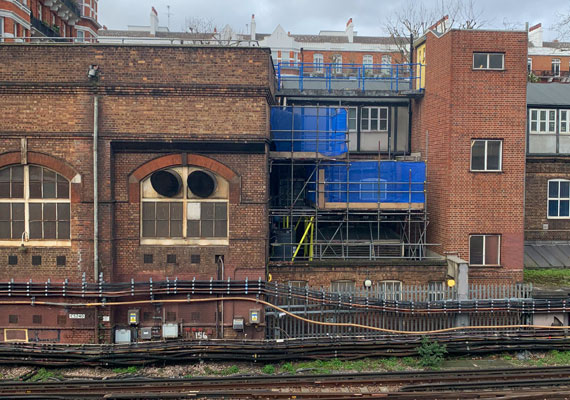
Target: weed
129 370
234 369
268 369
43 375
431 352
288 368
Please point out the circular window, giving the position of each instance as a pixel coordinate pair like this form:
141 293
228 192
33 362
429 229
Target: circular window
201 183
166 183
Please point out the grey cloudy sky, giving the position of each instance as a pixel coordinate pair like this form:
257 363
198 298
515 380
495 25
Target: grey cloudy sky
311 16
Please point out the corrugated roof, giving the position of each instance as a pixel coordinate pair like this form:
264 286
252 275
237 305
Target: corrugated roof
554 94
547 255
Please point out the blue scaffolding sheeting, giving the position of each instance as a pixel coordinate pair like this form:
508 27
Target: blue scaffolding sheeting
309 129
372 182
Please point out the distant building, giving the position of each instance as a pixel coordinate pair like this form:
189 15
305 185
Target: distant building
548 61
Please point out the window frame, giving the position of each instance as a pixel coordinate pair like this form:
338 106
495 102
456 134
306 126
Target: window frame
368 59
318 62
369 119
565 120
538 121
184 200
558 198
529 65
349 118
486 156
395 295
487 67
343 281
485 236
26 200
555 67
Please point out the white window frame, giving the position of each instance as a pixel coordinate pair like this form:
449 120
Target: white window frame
555 67
392 289
386 59
558 199
368 59
529 65
487 155
436 290
184 200
1 29
26 200
342 283
297 284
484 250
535 116
370 119
486 68
318 61
337 63
355 118
565 120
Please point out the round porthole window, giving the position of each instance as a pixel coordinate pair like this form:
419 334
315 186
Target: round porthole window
166 183
201 184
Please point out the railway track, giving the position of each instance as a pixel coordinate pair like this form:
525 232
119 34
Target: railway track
515 383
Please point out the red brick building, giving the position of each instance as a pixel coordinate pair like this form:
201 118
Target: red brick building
204 127
470 127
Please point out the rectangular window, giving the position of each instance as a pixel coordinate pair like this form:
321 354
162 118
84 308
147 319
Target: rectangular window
529 65
564 121
162 219
49 221
486 155
367 59
318 61
1 29
343 286
195 259
374 119
386 59
298 284
495 61
352 118
555 67
559 198
542 120
337 63
207 220
484 249
60 261
392 290
12 220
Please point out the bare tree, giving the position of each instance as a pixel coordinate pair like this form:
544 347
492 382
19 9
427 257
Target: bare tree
562 26
198 25
415 18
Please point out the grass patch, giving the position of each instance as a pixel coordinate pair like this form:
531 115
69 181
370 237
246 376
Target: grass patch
268 369
128 370
43 375
288 367
548 277
234 369
360 365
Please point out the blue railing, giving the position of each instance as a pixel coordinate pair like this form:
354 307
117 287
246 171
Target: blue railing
330 76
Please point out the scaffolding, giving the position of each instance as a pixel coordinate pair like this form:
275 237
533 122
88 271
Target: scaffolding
326 206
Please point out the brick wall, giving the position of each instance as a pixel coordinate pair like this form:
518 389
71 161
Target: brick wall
461 104
538 171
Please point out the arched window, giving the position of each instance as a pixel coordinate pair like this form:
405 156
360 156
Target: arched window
184 205
34 204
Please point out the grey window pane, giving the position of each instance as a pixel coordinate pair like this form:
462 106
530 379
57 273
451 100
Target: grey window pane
148 211
533 126
193 229
35 229
374 125
162 228
564 186
176 228
162 211
564 208
221 211
553 189
48 190
35 190
49 230
479 60
478 155
476 250
383 125
365 124
17 229
148 229
62 190
49 176
221 228
35 174
17 190
534 114
5 190
63 212
384 113
373 113
493 155
542 126
18 174
207 229
207 210
551 126
364 113
18 211
4 230
496 61
35 212
176 211
5 212
5 175
49 212
63 230
553 208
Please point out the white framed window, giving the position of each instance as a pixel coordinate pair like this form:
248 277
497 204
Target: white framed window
352 119
436 291
297 284
337 63
558 198
564 121
529 65
391 289
493 61
34 205
386 59
556 67
318 61
542 120
486 155
184 205
367 59
1 29
374 119
40 12
485 249
343 286
80 36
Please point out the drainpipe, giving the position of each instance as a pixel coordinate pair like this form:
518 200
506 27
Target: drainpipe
95 189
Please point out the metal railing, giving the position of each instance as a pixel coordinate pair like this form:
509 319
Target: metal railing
331 76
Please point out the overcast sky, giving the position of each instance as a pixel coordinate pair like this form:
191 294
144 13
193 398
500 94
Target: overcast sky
311 16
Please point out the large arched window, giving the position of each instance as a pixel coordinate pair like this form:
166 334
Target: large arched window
34 204
184 205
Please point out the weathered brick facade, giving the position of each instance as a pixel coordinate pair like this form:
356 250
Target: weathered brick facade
461 104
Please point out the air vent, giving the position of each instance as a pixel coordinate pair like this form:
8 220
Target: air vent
61 260
201 184
36 260
12 260
195 258
166 183
148 258
37 319
12 319
171 258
